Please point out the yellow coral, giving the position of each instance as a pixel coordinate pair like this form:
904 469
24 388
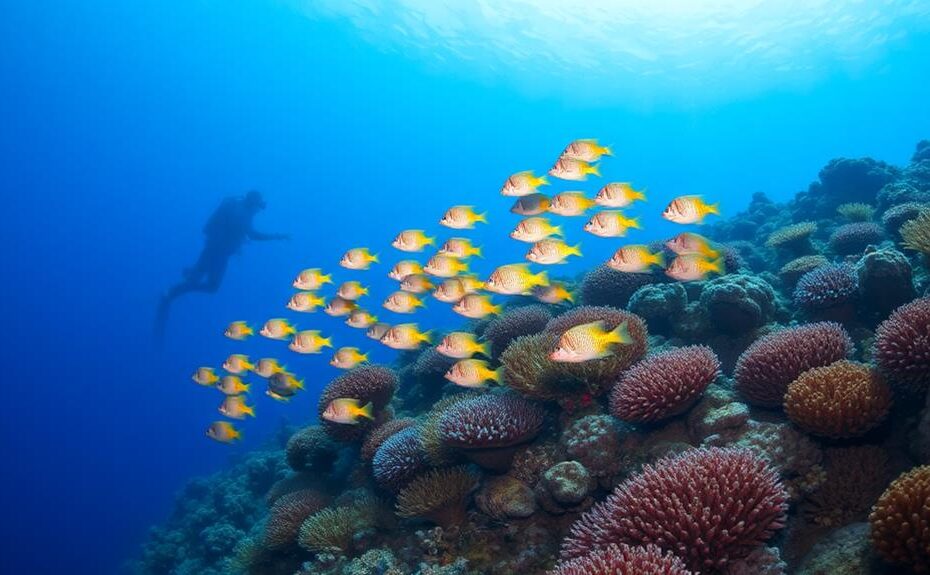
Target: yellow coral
332 529
856 212
916 233
795 233
800 266
439 496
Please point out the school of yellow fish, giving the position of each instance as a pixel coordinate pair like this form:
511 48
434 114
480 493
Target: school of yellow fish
445 276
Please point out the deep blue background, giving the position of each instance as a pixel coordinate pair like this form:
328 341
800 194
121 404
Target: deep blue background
123 124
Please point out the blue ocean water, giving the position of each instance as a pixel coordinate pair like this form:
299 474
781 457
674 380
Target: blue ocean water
123 126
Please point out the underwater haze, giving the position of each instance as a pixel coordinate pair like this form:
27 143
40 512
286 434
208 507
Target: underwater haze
125 125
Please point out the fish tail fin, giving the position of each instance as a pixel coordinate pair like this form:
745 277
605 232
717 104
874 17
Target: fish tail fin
658 259
235 433
607 151
419 303
639 195
429 240
326 279
634 223
712 209
716 266
482 217
542 278
362 358
245 387
575 250
476 251
248 330
367 410
484 348
374 259
326 342
363 290
463 267
594 170
496 309
497 375
542 181
426 336
620 334
248 410
557 231
569 296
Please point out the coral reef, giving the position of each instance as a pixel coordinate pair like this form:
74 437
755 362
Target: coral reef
828 292
623 560
856 211
900 519
311 449
855 237
516 322
915 233
660 305
738 303
439 496
506 497
902 346
604 286
568 482
399 459
885 280
288 514
899 214
380 434
371 383
855 478
594 441
794 239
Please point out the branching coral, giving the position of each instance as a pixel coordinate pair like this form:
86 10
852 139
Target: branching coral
764 371
828 292
399 459
843 399
856 476
707 506
664 385
311 449
855 237
514 323
902 346
916 233
288 514
605 286
380 434
901 521
795 238
370 383
439 496
623 560
856 211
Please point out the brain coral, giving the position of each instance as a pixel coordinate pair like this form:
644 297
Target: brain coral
738 303
288 514
623 560
490 427
828 292
514 323
764 371
843 399
439 495
707 506
608 287
380 434
886 281
855 237
370 383
311 448
901 521
398 460
902 346
664 385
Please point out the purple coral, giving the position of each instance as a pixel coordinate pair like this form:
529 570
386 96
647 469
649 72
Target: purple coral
604 286
828 292
514 323
623 560
399 459
855 237
902 346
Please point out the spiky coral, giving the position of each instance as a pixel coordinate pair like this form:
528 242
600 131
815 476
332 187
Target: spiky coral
311 449
856 476
437 452
380 434
855 237
439 495
664 385
332 529
370 383
828 292
529 371
916 233
797 267
764 371
901 521
288 514
856 211
490 427
399 459
794 238
604 286
515 323
707 506
896 216
843 399
623 560
902 346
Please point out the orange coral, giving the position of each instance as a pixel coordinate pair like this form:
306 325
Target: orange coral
843 399
901 521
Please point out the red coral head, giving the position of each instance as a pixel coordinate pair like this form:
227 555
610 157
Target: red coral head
902 346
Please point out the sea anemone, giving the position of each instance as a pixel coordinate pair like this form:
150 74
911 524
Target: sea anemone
828 292
605 286
764 371
902 346
529 371
623 560
855 237
664 385
916 233
514 323
901 521
797 267
399 459
843 399
288 514
439 496
380 434
795 238
332 530
856 476
856 211
311 449
370 383
707 506
489 428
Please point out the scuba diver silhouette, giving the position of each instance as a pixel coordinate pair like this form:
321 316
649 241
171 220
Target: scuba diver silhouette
226 230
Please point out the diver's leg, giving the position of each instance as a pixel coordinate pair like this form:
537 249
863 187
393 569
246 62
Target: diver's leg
215 275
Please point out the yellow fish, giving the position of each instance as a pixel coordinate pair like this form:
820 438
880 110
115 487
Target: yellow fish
237 363
461 248
443 266
338 307
687 243
587 150
589 341
405 336
552 251
305 301
223 431
570 204
462 218
636 259
531 205
405 268
534 229
238 330
351 290
348 357
611 224
514 279
232 385
402 302
689 210
234 407
309 341
378 330
462 345
473 373
312 279
693 267
575 170
471 283
522 184
358 259
450 290
277 396
277 329
284 385
361 319
412 241
347 410
553 293
267 366
205 376
618 195
416 283
476 306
